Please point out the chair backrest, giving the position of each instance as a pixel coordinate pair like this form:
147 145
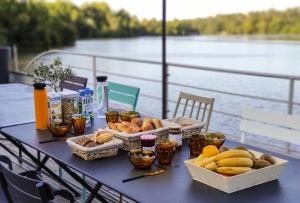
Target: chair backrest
203 105
123 94
270 124
75 83
23 189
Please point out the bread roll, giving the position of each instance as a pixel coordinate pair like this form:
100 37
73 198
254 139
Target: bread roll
157 123
148 120
147 126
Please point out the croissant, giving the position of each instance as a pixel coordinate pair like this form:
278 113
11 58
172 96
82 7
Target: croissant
137 122
112 126
157 123
123 127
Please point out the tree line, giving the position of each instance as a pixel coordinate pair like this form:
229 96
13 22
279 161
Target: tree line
47 24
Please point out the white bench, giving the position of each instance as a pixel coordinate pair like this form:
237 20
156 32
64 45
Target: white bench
270 124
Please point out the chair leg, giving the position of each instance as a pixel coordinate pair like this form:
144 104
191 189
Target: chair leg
20 157
60 172
83 189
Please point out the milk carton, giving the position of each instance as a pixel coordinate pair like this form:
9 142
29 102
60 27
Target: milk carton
54 108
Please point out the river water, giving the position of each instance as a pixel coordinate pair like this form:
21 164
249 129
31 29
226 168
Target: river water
221 52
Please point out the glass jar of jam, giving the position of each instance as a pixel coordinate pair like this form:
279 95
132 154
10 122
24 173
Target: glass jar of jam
196 143
148 142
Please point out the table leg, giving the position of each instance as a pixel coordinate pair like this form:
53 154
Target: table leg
39 164
43 162
96 189
81 181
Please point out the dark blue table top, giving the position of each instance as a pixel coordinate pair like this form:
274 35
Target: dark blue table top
175 185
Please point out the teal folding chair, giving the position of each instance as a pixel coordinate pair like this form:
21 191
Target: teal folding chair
123 94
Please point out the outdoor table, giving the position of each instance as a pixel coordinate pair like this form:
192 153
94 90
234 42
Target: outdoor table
174 185
16 104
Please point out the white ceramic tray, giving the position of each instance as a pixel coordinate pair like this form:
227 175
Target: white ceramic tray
238 182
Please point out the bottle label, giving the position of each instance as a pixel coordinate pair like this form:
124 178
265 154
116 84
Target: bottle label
55 111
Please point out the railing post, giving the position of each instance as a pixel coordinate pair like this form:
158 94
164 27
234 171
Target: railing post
290 107
16 58
165 91
94 73
291 96
164 61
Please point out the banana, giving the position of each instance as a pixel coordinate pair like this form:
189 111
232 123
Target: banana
241 162
211 166
206 161
233 170
232 153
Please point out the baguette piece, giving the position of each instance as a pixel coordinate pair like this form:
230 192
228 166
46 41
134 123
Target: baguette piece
102 138
157 123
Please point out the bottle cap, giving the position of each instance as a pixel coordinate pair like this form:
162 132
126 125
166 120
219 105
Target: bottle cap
39 85
101 78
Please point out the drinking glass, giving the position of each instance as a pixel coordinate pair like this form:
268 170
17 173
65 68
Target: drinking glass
78 121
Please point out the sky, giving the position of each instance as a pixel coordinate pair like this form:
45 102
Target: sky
185 9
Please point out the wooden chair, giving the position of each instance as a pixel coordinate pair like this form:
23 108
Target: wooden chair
75 83
278 126
124 94
19 188
204 107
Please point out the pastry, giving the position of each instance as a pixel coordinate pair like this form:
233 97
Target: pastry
137 122
122 127
112 126
157 123
147 126
148 120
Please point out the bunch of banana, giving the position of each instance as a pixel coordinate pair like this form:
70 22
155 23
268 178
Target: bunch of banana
231 162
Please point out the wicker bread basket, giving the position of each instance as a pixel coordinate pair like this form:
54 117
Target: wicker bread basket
107 149
132 141
187 131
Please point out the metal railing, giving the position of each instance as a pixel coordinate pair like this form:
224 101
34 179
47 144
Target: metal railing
291 78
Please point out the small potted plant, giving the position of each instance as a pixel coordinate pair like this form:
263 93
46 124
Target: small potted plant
52 74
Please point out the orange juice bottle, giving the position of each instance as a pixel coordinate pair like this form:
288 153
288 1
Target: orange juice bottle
40 105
